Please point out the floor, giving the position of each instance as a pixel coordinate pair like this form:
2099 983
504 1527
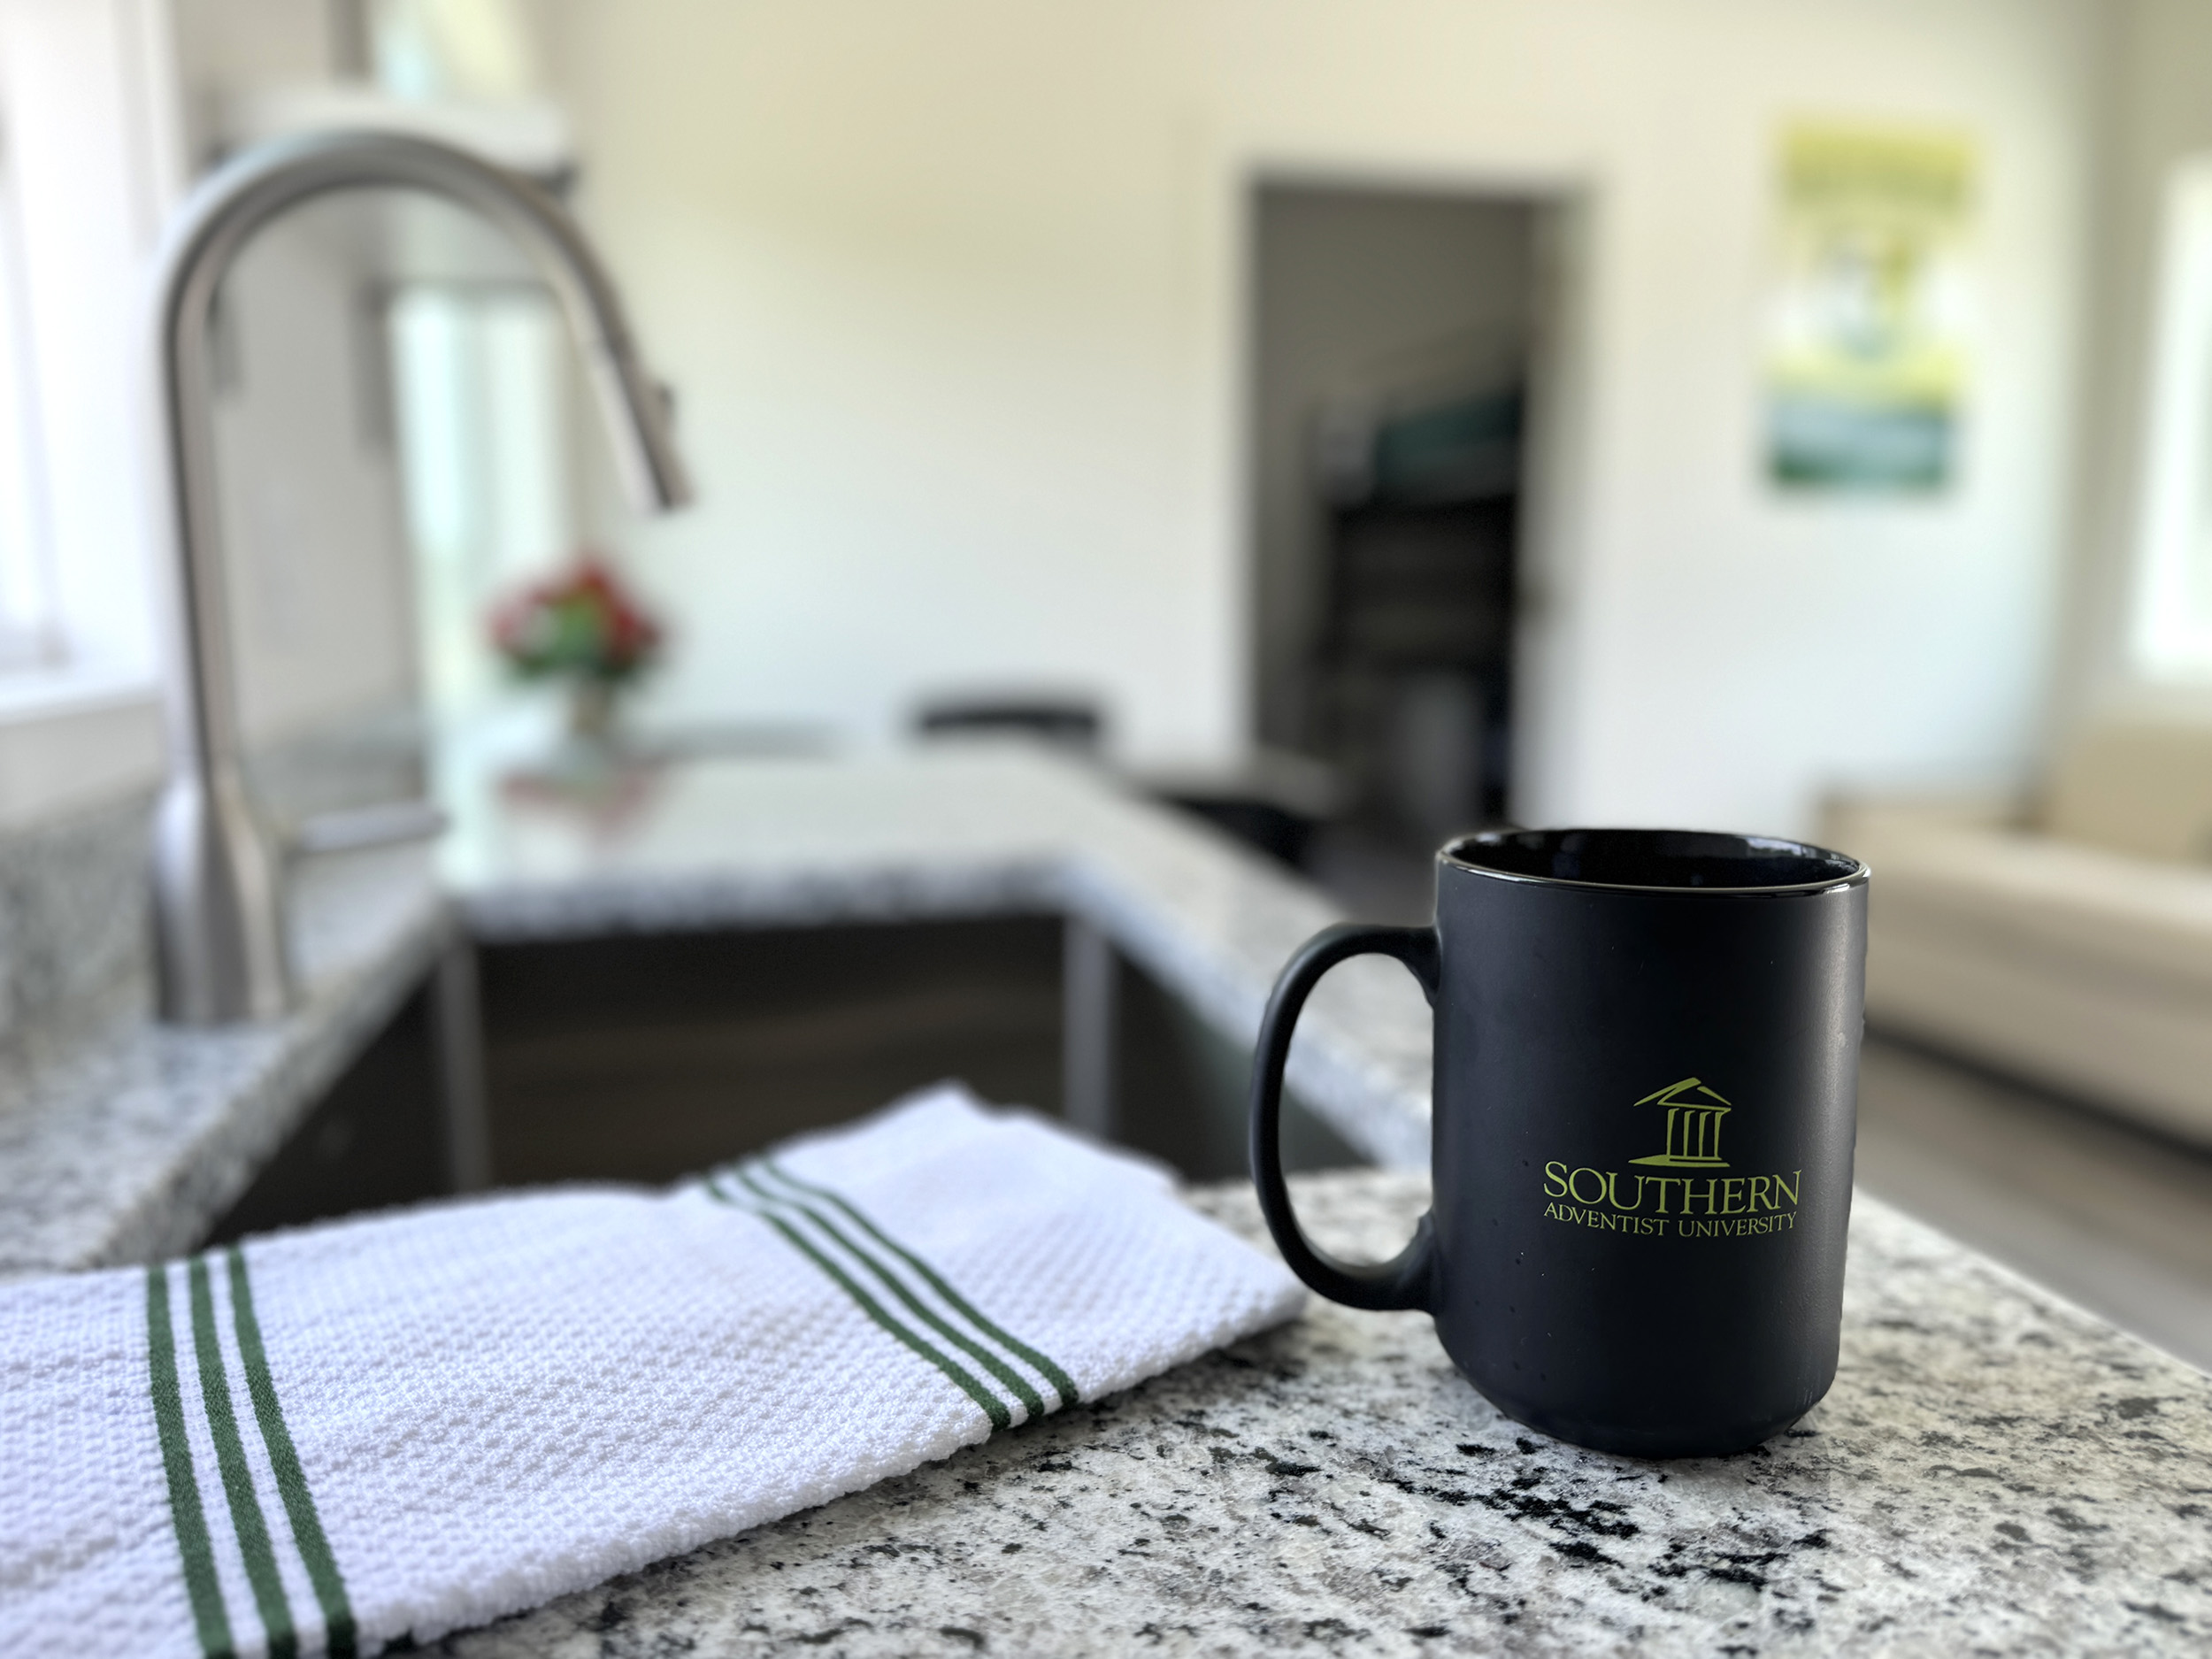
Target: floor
2116 1218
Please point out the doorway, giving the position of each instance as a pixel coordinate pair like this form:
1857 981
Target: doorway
1394 339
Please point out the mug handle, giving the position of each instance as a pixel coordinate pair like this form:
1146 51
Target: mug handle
1404 1280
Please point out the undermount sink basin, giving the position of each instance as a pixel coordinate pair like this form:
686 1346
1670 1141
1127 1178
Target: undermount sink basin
646 1056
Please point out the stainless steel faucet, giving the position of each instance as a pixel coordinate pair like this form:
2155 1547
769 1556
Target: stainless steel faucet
218 904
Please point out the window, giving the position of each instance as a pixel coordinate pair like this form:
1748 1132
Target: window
30 634
2171 627
480 377
89 167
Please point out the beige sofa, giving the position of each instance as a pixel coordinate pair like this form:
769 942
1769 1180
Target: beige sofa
2071 947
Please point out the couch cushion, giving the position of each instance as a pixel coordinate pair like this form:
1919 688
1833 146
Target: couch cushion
2087 970
2140 786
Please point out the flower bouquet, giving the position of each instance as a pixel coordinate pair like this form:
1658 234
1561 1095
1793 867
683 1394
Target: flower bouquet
585 628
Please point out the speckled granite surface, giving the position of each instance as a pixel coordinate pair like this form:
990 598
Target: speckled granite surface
956 831
127 1140
124 1142
73 920
1992 1472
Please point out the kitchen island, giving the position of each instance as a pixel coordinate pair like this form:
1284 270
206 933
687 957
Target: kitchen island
1992 1469
127 1140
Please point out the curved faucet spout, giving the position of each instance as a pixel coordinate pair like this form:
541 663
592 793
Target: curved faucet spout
216 899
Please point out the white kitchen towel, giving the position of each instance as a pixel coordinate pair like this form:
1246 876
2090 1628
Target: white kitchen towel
337 1436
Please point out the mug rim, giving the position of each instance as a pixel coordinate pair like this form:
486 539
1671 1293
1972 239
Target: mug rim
1449 856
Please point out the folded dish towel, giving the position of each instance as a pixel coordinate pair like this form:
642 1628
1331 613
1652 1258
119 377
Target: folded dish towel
341 1436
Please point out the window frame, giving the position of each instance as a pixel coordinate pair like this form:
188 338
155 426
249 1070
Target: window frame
2167 641
95 158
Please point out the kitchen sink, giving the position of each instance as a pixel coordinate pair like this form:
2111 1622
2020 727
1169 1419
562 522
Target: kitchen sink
643 1057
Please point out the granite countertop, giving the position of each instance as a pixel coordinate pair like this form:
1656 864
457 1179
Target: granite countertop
955 830
1993 1471
127 1141
122 1138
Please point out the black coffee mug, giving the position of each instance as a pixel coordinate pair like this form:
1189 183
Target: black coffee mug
1645 1101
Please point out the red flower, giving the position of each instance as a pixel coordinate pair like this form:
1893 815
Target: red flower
582 624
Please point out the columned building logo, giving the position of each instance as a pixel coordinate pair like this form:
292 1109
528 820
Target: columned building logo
1694 1115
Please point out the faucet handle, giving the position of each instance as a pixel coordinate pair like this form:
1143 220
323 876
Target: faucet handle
384 824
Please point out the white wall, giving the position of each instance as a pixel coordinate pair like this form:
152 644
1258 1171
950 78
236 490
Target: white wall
936 288
109 107
315 549
952 293
1724 655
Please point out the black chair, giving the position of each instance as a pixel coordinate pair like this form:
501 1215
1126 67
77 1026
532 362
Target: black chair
1069 723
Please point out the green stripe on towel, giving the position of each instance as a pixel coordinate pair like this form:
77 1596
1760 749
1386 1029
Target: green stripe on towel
1060 1381
230 1458
299 1503
993 1406
206 1595
990 1362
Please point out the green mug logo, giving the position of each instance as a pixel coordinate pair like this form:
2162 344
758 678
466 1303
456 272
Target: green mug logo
1680 1206
1692 1127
